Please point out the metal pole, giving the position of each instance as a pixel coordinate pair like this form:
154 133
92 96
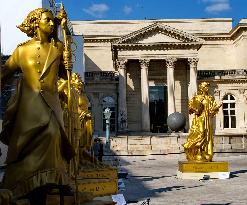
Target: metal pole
107 134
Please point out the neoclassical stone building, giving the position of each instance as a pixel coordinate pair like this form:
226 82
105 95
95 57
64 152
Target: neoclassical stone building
145 70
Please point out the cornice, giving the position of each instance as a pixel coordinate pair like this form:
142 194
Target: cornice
157 46
210 37
106 40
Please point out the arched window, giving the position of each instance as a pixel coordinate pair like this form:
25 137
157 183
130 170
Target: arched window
229 111
109 102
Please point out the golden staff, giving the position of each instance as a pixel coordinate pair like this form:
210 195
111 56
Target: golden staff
67 54
68 67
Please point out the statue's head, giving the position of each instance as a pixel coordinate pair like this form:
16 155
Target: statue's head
40 18
203 88
77 82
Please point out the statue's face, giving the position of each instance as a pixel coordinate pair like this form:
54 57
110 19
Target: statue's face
205 89
46 24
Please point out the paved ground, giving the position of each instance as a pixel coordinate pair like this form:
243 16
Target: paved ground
154 177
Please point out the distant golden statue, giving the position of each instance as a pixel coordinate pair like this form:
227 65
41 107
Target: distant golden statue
200 142
33 126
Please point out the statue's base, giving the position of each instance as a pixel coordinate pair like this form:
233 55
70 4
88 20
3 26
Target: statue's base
98 181
106 200
56 200
203 170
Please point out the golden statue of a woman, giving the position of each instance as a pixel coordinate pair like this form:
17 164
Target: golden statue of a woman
33 126
200 142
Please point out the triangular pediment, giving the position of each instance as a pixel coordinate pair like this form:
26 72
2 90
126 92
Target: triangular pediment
158 33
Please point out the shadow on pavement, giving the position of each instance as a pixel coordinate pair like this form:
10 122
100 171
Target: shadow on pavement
150 178
217 204
235 174
136 186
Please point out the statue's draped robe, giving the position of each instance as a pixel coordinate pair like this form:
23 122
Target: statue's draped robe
200 140
86 140
81 127
33 123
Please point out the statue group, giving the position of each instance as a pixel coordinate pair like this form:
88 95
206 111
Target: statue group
47 122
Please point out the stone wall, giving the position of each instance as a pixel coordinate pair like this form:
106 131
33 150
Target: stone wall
172 144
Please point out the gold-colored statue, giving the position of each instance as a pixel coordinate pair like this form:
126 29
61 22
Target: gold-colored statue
81 125
85 115
200 142
92 177
33 126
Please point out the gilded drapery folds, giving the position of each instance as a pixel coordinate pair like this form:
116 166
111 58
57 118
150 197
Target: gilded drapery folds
33 126
200 142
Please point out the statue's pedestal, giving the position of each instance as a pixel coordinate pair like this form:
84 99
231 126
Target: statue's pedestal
203 170
106 200
98 181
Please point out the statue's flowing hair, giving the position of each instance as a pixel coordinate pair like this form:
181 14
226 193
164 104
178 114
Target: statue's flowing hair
30 24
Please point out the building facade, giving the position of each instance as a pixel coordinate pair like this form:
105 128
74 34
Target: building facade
145 70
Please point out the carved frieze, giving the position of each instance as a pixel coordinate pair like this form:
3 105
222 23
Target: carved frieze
241 91
232 74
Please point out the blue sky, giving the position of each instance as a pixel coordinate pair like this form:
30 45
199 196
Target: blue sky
155 9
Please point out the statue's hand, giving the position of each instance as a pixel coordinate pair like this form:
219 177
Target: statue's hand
89 115
82 115
64 23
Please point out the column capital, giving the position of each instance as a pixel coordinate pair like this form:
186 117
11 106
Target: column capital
193 61
170 62
121 63
144 63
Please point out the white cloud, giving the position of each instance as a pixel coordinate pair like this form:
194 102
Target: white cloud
127 10
217 6
97 10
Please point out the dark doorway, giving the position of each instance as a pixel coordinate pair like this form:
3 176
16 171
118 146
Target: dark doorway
158 108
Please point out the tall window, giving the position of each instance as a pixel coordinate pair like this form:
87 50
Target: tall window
109 102
229 111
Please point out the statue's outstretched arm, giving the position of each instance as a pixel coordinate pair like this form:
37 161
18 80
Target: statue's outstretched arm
10 67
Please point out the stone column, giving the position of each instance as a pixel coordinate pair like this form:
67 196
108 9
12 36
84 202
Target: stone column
193 76
144 63
122 104
240 113
170 64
